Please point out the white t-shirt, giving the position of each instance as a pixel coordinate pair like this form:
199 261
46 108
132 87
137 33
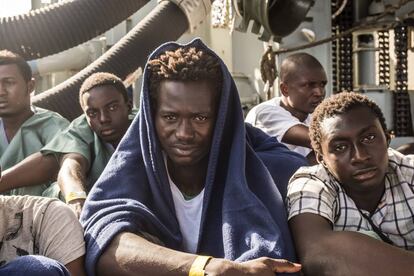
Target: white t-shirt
188 214
273 119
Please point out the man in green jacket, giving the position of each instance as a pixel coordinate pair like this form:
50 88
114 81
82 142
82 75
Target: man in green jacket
24 129
85 146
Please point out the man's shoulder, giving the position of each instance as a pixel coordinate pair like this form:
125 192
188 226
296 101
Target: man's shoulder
315 177
316 172
403 165
267 106
80 121
79 128
269 112
41 112
311 190
78 137
47 117
272 105
400 159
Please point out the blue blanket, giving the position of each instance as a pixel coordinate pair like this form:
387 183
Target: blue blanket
243 214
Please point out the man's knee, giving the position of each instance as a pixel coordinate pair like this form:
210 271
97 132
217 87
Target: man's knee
34 266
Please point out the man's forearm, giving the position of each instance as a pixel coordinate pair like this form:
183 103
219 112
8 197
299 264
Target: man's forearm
72 175
129 254
297 135
35 169
351 253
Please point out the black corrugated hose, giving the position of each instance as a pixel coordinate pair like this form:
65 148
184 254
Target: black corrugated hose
63 25
165 23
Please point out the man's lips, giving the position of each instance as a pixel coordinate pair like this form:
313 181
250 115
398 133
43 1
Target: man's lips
184 150
365 174
107 132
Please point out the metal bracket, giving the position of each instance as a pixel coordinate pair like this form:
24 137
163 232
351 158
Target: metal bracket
195 10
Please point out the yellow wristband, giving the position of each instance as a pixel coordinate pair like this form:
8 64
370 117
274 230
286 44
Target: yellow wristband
75 195
197 268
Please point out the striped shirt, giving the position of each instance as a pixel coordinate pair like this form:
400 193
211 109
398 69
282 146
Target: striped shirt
314 190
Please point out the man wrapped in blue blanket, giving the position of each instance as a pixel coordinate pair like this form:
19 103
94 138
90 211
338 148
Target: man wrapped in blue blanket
185 182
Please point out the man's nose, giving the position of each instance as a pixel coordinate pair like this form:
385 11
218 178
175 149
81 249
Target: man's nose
104 117
2 89
360 153
185 131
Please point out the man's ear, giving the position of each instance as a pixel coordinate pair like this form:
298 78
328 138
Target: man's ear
31 85
319 158
388 136
284 89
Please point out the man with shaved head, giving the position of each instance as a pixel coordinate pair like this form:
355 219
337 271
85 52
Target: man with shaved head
302 88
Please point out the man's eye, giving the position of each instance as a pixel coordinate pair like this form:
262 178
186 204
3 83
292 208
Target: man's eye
91 114
9 83
340 148
200 118
169 117
113 107
368 138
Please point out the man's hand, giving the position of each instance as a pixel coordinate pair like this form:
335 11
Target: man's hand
77 205
262 266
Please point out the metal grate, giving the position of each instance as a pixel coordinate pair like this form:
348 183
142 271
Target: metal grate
402 110
384 58
342 50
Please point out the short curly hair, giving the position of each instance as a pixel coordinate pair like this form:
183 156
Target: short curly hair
184 64
340 104
101 79
8 57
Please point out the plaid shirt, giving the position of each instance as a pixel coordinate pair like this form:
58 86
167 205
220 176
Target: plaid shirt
314 190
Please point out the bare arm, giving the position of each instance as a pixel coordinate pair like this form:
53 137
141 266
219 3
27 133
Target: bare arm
77 267
72 178
34 170
129 254
323 251
297 135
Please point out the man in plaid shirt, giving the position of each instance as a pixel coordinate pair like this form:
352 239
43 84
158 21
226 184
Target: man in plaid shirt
353 214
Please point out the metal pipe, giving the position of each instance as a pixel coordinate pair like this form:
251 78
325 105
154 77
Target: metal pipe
63 25
165 23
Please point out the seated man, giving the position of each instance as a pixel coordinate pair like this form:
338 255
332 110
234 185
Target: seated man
302 87
24 129
39 236
85 147
353 210
185 181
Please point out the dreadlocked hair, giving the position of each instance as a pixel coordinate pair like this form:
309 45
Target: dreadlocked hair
340 104
184 64
102 79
